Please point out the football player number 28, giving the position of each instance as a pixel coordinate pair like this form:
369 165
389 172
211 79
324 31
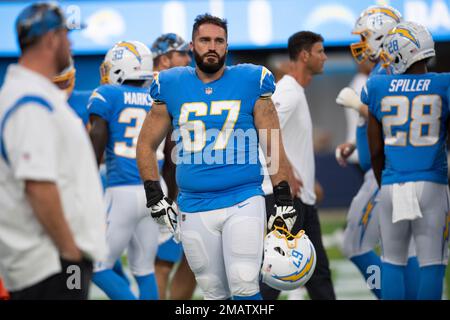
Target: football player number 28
197 141
425 117
127 116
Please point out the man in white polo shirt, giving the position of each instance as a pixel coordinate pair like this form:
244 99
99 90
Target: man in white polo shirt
52 221
307 58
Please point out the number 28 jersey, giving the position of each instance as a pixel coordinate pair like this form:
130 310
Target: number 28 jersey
413 111
124 108
217 143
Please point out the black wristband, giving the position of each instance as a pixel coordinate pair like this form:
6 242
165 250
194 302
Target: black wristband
282 194
153 192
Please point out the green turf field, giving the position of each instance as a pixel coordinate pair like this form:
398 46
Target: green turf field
347 280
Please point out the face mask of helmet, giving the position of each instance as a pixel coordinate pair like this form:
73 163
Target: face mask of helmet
289 261
372 26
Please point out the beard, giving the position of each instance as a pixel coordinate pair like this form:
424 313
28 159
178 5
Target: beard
209 67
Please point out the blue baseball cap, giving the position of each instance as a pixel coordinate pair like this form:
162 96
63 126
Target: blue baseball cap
37 19
168 42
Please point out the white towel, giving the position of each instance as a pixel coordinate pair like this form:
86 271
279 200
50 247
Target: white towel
405 205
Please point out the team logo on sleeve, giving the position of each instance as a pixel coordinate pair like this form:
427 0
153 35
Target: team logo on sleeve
156 80
264 73
96 95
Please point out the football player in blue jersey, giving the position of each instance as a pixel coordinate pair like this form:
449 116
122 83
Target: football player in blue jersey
78 100
408 124
362 234
169 51
218 114
117 111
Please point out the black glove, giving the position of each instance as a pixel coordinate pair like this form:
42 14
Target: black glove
162 209
153 192
285 214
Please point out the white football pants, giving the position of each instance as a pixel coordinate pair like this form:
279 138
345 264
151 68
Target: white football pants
224 248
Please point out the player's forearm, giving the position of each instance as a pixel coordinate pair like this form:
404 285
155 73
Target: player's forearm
146 159
47 207
281 175
377 166
266 121
98 147
280 168
376 147
364 111
169 168
155 127
98 134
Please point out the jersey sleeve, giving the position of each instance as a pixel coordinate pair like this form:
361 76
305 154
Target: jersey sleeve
365 94
369 97
266 83
100 103
30 140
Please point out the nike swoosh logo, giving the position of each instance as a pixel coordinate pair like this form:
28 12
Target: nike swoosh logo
243 205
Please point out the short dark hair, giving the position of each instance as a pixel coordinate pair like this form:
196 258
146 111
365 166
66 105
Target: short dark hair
207 18
303 40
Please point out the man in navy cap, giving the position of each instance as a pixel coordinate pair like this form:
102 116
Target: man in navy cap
52 222
38 26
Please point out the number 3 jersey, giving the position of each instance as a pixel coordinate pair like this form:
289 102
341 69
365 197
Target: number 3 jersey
413 110
124 108
217 143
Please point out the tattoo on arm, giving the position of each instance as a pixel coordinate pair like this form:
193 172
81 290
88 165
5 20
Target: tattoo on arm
267 124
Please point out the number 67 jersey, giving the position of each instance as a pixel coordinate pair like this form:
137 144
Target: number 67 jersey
217 143
413 110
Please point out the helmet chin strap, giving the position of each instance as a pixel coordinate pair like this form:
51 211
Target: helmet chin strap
282 229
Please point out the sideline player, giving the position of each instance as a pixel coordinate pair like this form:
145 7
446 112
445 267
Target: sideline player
408 124
362 234
170 51
216 112
117 111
